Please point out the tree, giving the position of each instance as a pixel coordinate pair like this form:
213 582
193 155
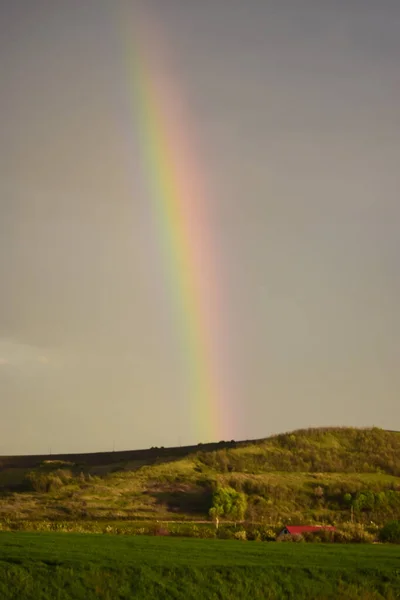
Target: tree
390 532
348 499
239 506
227 502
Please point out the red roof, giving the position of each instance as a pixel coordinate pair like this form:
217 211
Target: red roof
293 529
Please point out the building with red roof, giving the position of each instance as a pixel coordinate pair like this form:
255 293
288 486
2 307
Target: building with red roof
300 529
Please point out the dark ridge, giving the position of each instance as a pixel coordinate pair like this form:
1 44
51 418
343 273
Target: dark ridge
153 454
101 458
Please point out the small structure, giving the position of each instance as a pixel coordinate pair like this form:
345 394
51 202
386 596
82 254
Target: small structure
300 529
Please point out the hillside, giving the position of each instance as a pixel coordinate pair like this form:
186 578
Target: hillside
303 476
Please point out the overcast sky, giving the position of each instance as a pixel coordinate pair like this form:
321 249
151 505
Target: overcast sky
296 105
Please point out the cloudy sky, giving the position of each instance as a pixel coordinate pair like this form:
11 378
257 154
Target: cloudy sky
295 108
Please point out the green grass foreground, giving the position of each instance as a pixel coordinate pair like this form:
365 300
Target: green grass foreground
44 566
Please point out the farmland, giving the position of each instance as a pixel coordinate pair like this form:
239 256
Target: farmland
44 566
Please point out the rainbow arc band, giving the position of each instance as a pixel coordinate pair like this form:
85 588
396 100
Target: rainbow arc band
177 194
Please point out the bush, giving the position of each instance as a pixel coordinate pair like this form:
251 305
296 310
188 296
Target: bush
254 535
241 535
206 533
261 533
224 533
159 530
285 537
42 481
390 532
353 533
324 536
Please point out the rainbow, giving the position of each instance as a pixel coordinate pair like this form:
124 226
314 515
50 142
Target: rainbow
178 200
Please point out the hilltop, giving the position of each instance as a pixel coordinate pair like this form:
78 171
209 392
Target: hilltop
322 474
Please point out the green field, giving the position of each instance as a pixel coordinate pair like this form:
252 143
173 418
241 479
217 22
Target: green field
48 566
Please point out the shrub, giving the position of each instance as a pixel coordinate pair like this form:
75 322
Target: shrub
286 537
353 533
261 533
42 481
390 532
206 533
254 535
347 499
141 531
319 536
191 530
224 533
240 535
159 530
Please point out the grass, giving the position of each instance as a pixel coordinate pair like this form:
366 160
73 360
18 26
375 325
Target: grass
57 566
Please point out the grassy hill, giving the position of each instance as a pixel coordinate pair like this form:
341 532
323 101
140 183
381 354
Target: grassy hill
305 476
